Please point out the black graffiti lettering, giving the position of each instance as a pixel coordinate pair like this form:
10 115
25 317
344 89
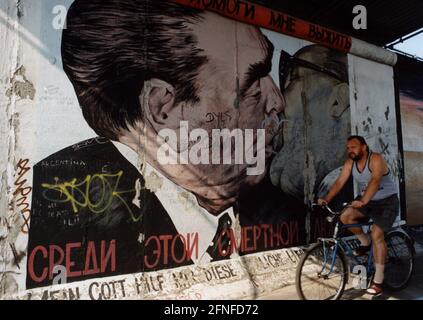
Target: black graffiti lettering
53 295
210 117
60 295
207 4
335 39
282 22
348 44
91 288
314 33
218 5
185 279
74 295
220 272
291 256
276 21
384 146
220 117
311 31
343 42
22 191
250 10
329 36
149 284
275 260
318 34
235 8
291 24
230 6
107 290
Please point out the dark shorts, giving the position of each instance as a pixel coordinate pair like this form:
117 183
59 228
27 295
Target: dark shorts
383 212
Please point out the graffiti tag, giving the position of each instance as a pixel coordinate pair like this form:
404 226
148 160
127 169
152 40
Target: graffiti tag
220 117
21 193
96 192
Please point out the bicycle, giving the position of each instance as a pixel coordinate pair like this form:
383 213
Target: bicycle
323 270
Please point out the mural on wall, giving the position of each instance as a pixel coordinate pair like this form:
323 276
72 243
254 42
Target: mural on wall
409 79
160 136
165 82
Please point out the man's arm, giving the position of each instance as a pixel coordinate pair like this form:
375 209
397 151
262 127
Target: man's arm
339 183
378 166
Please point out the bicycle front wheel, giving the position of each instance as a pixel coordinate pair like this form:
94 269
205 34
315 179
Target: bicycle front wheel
322 273
400 260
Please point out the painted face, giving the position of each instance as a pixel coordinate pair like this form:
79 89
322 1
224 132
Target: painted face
314 130
235 88
235 92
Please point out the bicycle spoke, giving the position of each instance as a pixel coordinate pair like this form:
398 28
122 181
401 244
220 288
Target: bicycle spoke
320 280
399 264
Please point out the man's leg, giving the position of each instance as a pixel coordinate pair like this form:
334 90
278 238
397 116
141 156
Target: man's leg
351 216
379 251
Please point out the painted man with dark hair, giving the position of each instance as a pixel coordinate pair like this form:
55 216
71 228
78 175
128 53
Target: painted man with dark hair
138 67
109 54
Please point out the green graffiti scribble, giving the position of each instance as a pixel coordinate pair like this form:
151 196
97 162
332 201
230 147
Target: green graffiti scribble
78 193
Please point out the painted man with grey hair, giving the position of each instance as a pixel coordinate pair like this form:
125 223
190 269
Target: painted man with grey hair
317 121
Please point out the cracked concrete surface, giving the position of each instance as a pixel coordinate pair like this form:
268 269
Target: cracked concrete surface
20 86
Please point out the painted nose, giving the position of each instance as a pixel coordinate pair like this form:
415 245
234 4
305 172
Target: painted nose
275 101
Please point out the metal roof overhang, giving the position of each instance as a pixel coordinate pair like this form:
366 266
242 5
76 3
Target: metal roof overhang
387 20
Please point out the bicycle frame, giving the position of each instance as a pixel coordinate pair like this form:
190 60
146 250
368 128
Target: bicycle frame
334 259
340 244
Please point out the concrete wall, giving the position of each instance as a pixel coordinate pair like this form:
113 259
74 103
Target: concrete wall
409 77
373 111
115 218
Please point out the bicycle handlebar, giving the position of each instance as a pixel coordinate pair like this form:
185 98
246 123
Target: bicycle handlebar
325 206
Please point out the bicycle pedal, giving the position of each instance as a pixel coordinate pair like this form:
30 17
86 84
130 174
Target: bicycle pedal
361 251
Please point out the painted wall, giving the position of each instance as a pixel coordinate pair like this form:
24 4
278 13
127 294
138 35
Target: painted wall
85 195
373 111
409 79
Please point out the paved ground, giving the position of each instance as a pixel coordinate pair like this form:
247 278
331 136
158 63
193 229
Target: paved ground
414 290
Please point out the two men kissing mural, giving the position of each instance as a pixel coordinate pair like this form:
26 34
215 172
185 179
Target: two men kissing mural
141 67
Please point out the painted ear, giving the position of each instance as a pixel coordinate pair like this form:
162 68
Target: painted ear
161 100
342 100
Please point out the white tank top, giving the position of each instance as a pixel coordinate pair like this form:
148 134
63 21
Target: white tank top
386 187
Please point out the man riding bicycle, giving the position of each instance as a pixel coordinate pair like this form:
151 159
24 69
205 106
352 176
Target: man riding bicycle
378 200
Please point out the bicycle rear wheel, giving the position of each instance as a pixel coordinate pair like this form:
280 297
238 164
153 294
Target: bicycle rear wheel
314 280
400 260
